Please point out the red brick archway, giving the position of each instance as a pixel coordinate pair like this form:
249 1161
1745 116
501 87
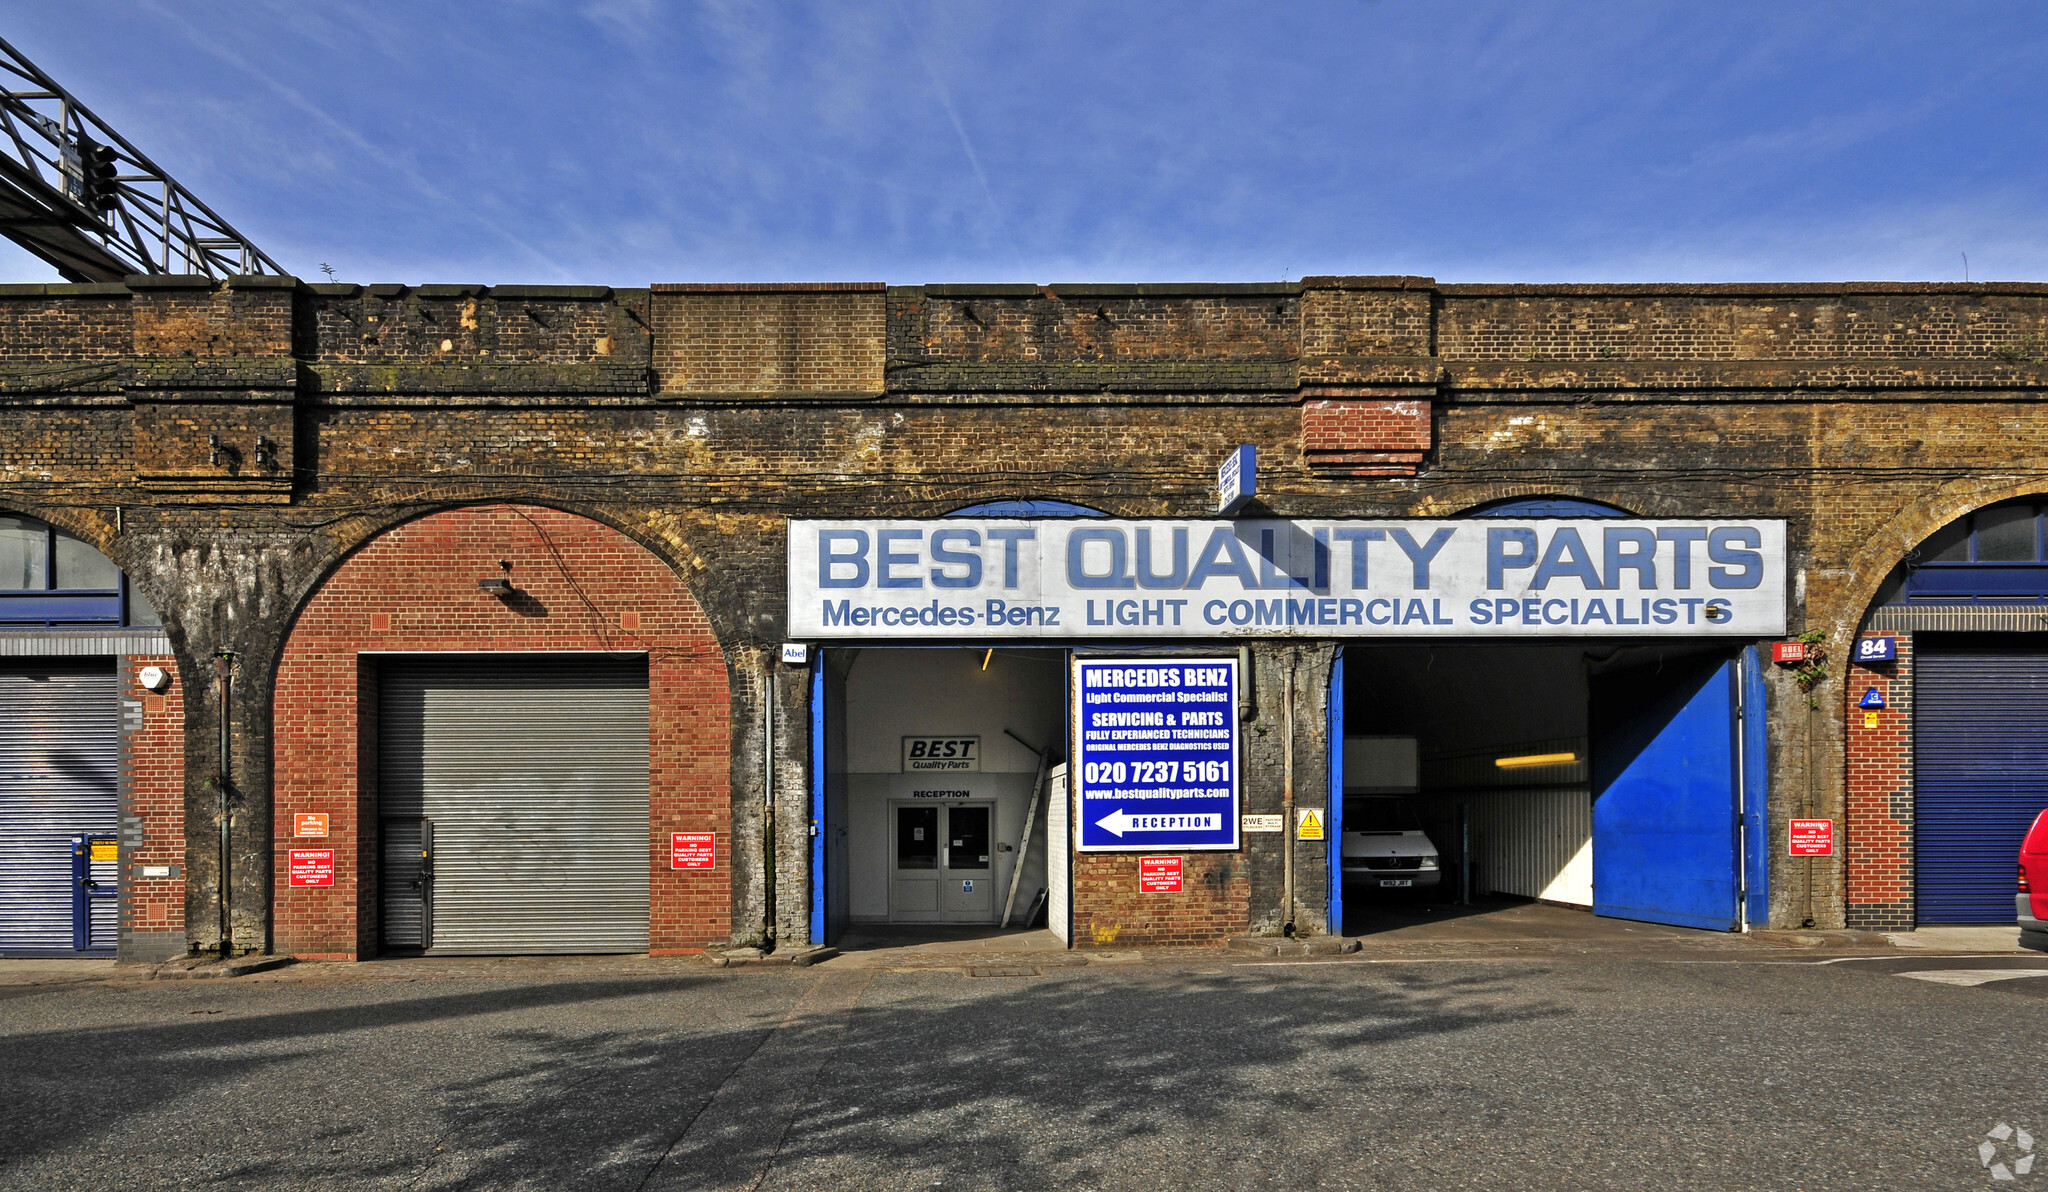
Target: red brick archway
414 589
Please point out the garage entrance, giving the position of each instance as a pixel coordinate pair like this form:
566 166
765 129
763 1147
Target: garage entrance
60 763
1981 763
1624 780
934 769
512 803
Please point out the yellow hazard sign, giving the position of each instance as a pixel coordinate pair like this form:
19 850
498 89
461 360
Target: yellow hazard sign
105 850
1311 825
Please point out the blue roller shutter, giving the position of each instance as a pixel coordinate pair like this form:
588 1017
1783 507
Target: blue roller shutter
60 767
1980 728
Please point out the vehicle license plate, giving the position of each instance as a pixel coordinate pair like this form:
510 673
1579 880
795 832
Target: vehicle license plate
1397 881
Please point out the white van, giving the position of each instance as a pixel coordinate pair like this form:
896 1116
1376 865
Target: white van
1384 845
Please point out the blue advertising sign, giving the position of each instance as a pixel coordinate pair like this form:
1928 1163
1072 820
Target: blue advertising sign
1237 480
1155 757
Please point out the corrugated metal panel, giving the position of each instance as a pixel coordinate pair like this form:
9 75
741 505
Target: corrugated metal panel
1059 854
59 775
403 890
533 771
78 643
1950 618
1980 729
1532 843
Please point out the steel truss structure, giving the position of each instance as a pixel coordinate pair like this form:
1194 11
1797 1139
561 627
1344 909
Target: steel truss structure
75 193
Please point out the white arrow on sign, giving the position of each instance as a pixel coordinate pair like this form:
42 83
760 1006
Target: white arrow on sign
1116 823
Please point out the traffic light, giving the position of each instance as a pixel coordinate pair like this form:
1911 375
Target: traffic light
97 190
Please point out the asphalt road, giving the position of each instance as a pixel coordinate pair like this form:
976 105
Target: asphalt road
1202 1073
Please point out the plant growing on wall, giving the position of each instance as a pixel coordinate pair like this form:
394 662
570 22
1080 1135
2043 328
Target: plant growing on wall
1816 669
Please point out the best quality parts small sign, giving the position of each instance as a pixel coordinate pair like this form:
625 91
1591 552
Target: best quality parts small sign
693 850
311 867
1159 875
1812 838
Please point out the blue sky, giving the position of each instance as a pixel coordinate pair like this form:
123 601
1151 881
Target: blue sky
632 141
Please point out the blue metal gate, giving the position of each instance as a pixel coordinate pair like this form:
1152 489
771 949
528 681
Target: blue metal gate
1666 793
1980 726
59 782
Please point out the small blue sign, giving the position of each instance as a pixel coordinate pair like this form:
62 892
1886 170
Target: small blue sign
1877 649
1237 481
1872 698
1155 757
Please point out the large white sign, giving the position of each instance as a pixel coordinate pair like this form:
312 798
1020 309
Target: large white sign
1005 578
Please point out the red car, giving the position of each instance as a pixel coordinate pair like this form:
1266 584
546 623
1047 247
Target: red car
2033 896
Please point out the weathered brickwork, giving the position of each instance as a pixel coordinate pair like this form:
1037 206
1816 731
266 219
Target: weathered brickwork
153 803
579 586
764 341
694 420
1110 911
68 324
173 317
1365 438
1878 810
1789 322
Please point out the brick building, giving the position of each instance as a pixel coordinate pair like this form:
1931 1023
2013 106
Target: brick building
472 599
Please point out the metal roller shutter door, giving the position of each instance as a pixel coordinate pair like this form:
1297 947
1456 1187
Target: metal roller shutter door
1980 726
60 766
533 772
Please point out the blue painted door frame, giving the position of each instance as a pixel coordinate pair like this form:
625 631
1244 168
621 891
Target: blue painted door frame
817 752
1756 793
1334 830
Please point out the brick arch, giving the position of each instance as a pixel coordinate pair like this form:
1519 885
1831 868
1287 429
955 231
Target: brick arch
1500 494
584 586
1872 564
1877 761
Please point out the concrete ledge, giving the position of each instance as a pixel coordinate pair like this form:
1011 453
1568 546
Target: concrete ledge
198 968
1274 945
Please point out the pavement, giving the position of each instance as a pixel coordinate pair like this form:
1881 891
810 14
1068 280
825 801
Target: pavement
1588 1055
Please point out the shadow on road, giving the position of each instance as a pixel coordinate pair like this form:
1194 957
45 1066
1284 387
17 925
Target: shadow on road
1012 1083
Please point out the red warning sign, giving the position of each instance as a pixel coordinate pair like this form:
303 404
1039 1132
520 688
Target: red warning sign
1812 838
693 850
312 867
1159 875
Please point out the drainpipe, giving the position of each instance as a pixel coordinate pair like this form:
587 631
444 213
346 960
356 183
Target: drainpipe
224 663
768 805
1287 795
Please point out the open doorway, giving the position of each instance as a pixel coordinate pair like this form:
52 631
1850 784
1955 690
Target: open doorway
1615 779
936 768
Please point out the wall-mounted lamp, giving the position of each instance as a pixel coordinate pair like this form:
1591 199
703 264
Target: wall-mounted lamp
499 585
1536 759
262 451
213 451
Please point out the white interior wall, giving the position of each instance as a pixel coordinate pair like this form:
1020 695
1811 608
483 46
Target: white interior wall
869 799
897 693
